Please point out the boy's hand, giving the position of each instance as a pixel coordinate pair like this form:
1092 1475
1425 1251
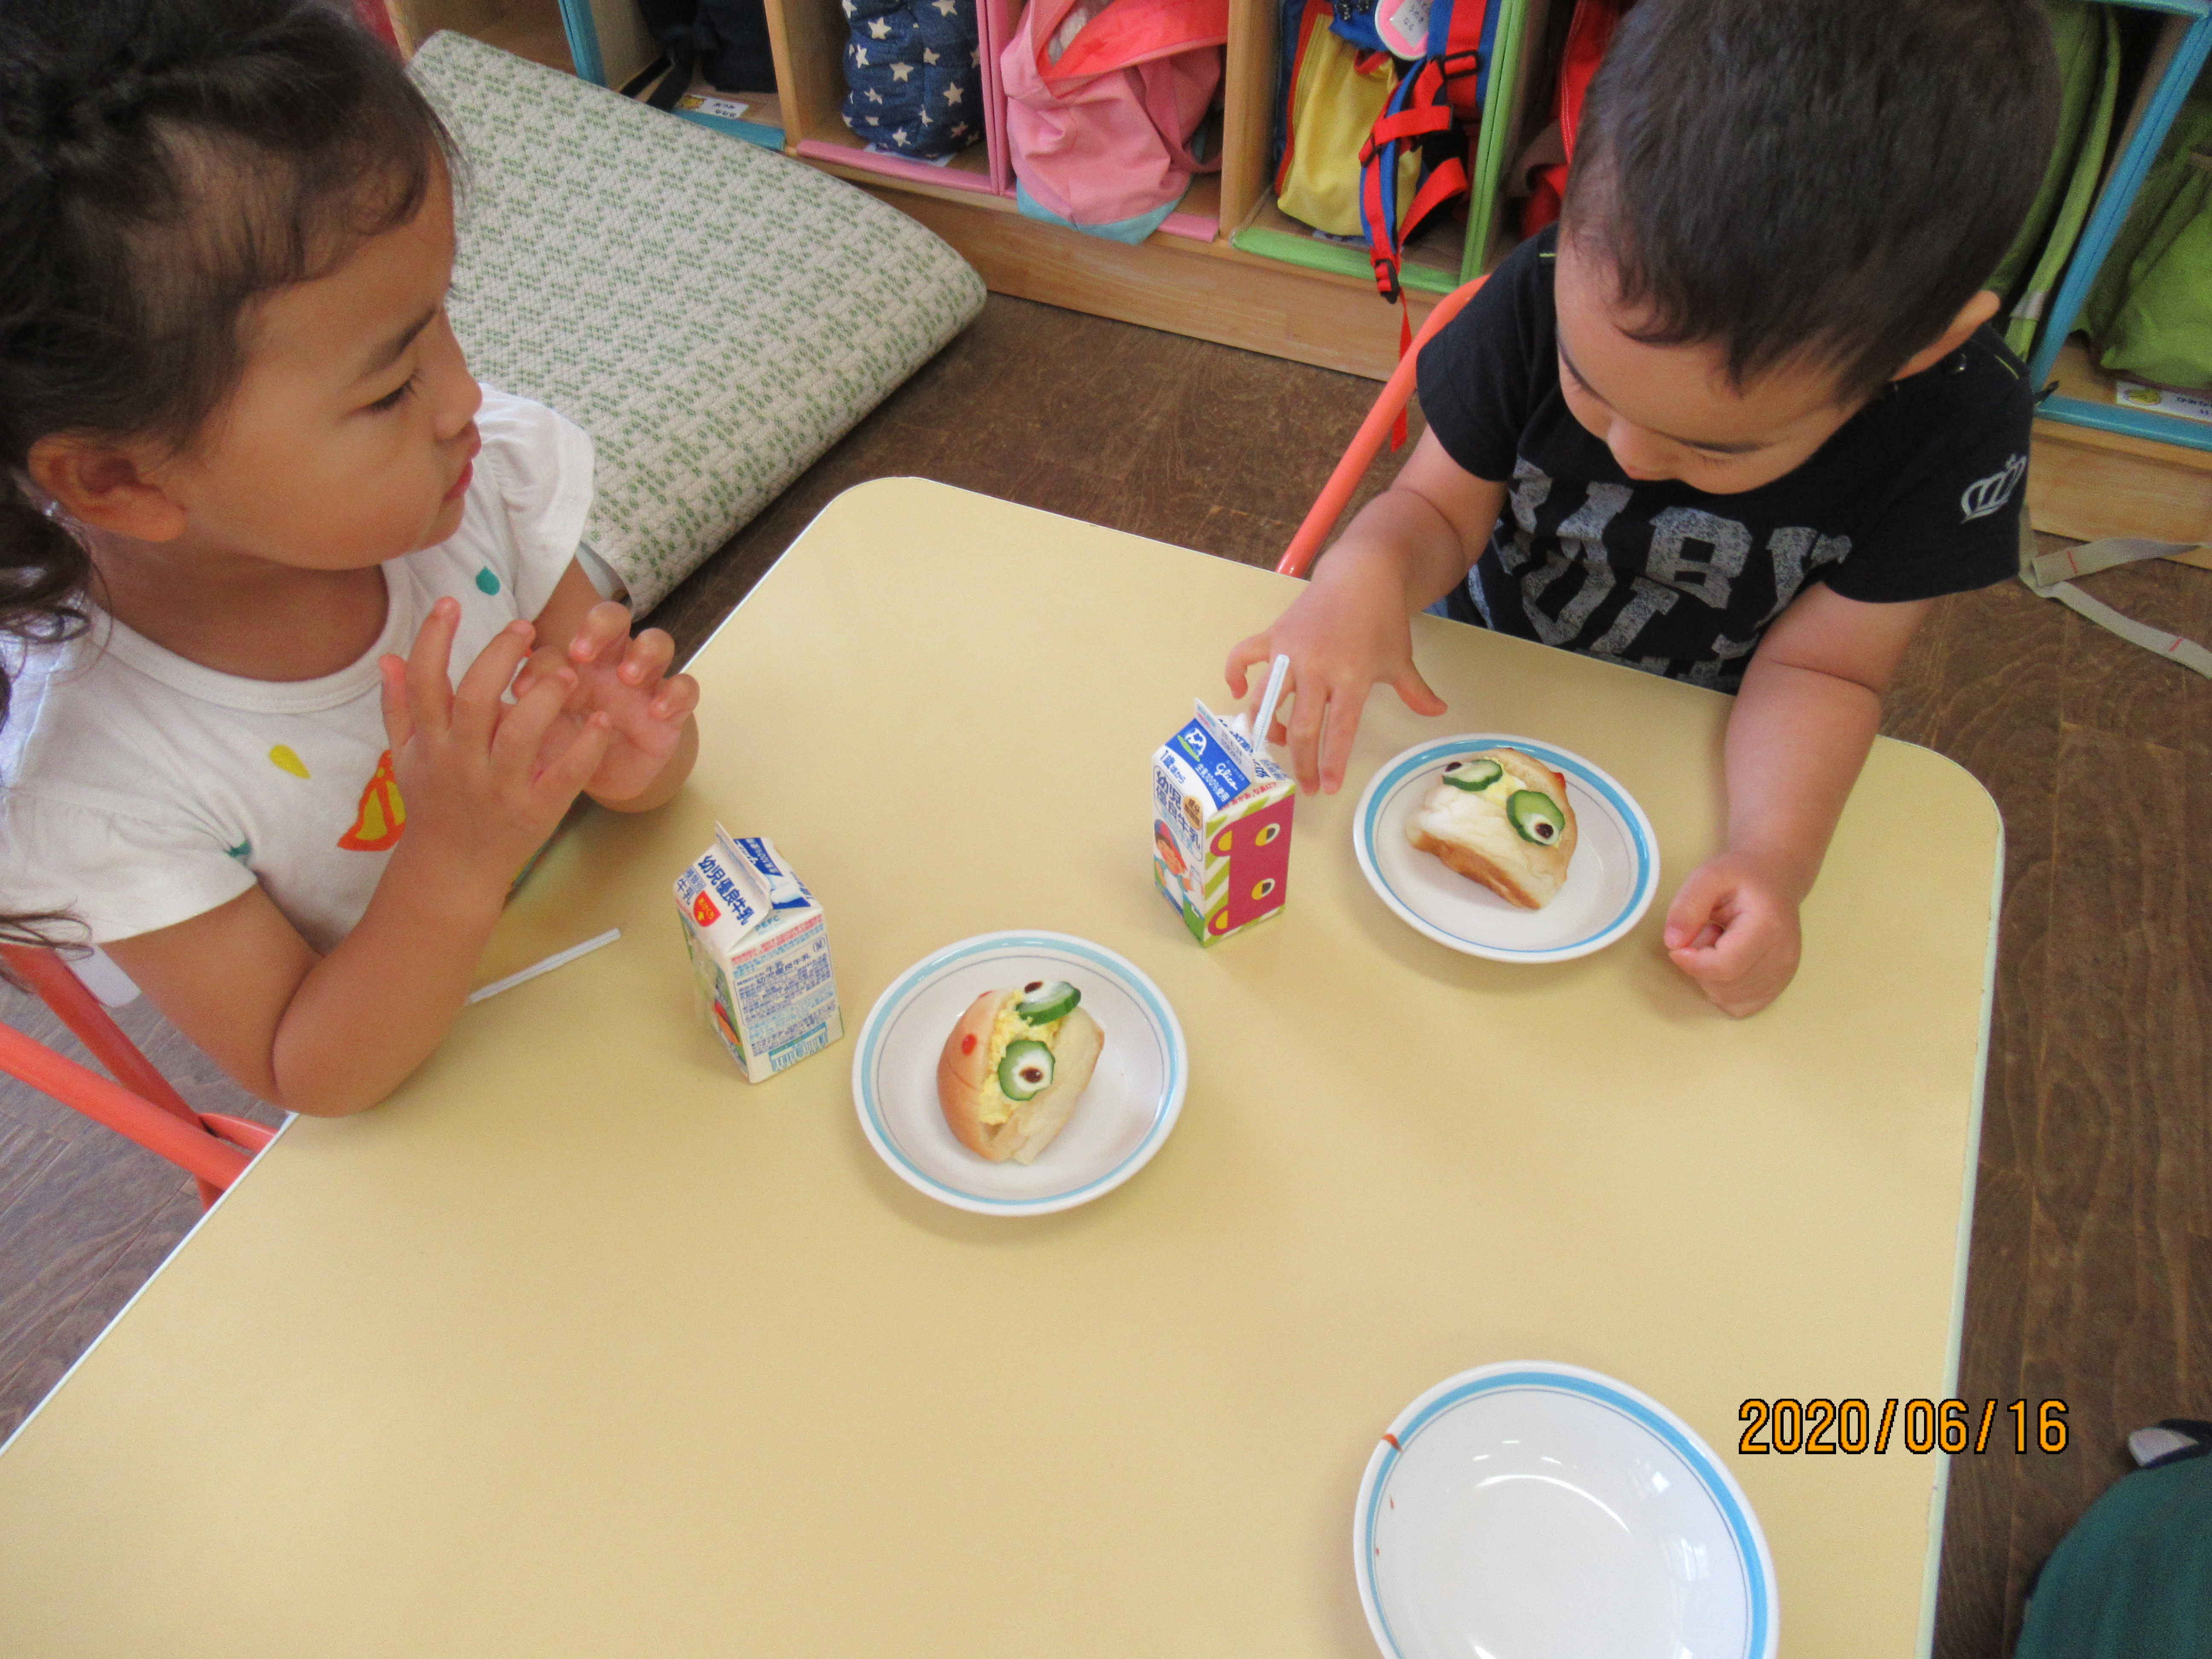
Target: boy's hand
1353 628
1734 929
626 679
1799 732
486 780
1349 630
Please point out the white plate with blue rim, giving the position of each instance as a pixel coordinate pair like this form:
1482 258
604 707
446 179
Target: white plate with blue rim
1544 1511
1120 1119
1610 881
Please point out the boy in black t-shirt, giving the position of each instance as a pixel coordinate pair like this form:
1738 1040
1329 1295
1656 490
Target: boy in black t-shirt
1740 420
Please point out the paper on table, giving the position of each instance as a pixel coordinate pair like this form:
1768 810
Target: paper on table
558 959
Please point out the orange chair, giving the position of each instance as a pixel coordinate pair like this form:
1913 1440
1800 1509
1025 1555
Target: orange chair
1397 392
140 1104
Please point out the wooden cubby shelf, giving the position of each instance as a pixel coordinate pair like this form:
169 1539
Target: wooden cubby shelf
1230 265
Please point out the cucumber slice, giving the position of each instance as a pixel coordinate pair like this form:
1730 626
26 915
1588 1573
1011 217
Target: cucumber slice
1041 1004
1472 774
1535 817
1025 1070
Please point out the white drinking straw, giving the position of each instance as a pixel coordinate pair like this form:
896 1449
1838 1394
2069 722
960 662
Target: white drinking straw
1264 722
558 959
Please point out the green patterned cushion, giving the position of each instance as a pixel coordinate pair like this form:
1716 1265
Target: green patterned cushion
714 314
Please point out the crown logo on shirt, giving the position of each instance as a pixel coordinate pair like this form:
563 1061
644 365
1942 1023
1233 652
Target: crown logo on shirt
1986 496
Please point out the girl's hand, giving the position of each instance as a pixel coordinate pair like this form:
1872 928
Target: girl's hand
485 780
607 673
1349 631
1734 929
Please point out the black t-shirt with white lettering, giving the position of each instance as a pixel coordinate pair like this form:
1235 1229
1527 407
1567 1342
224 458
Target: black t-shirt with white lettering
1916 495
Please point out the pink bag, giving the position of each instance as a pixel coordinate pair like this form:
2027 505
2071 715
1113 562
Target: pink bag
1101 133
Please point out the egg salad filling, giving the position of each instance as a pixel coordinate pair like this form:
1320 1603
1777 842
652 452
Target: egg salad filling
1470 775
1530 810
1018 1065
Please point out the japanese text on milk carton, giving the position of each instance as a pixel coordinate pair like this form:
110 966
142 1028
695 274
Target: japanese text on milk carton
1221 827
760 955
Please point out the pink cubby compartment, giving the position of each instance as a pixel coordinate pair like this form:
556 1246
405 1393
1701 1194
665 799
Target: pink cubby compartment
992 172
1198 217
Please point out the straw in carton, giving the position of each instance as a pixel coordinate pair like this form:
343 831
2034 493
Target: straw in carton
1264 722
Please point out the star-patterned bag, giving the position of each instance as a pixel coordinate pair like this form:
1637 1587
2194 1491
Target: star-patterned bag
913 75
1103 102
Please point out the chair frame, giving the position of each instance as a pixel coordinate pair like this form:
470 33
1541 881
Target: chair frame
1367 442
138 1102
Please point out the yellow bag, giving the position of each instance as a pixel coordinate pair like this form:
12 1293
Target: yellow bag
1333 106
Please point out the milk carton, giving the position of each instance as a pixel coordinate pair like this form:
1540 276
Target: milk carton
760 955
1221 827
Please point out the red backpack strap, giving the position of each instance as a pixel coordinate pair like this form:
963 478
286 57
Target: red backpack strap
1420 107
1465 29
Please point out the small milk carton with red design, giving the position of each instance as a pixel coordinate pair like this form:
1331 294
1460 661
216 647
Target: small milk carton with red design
760 955
1221 827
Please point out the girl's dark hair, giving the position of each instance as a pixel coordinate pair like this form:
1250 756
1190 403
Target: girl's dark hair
1829 179
163 164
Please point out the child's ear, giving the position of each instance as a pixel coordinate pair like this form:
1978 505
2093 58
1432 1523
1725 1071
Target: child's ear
105 488
1972 315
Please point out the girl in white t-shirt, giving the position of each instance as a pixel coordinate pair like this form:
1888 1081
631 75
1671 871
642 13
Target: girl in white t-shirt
303 666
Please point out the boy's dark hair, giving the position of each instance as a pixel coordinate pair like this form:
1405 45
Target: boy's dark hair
1826 180
164 163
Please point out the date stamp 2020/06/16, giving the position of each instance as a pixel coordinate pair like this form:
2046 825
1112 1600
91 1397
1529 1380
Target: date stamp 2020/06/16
1825 1427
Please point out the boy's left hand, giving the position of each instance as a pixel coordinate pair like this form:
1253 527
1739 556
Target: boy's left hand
1733 928
627 680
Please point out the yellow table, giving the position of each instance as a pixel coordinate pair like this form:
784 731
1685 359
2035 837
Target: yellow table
581 1345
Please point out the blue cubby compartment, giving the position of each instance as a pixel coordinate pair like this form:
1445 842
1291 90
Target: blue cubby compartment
607 40
2187 44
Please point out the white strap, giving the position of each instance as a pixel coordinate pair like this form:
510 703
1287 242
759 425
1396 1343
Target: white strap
2187 653
2045 573
2090 557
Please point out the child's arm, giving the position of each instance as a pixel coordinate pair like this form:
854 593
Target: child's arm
626 680
1352 627
331 1034
1807 712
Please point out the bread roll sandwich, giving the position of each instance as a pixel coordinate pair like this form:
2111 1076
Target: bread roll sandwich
1013 1067
1500 817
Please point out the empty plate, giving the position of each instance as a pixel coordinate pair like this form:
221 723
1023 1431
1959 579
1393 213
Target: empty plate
1610 885
1534 1511
1119 1122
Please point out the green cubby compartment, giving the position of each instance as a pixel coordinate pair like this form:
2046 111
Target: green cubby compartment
1455 246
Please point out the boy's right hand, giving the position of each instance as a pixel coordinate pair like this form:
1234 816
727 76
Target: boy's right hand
467 761
1348 632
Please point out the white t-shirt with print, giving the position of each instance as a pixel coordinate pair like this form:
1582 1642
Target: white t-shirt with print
141 790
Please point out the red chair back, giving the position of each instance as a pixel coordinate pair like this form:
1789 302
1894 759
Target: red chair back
1397 392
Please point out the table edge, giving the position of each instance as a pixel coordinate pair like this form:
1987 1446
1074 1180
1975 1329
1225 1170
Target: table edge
1939 1496
159 1268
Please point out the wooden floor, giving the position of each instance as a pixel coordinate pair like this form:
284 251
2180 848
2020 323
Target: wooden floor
2092 1267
